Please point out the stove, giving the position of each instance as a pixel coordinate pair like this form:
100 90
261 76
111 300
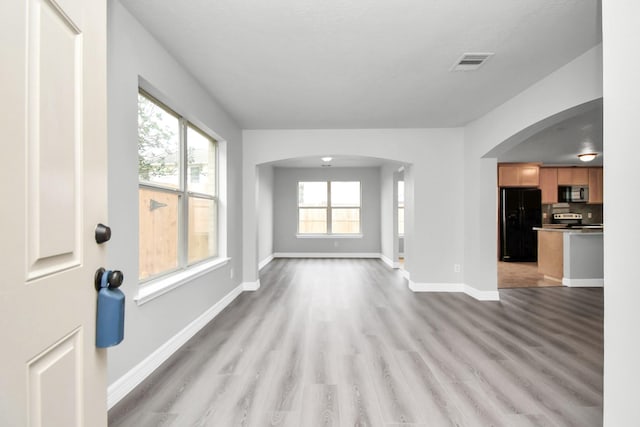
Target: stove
569 219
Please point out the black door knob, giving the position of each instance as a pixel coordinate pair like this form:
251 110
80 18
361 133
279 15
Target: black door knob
103 233
114 278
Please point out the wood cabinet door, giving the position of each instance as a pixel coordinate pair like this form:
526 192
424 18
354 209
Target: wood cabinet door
518 175
573 176
549 185
580 176
528 176
508 176
596 194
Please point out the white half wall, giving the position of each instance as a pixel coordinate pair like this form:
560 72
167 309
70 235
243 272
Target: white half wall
621 33
135 55
265 210
434 156
388 213
578 82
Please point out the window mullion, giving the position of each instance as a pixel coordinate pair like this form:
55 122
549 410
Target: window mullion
183 220
329 209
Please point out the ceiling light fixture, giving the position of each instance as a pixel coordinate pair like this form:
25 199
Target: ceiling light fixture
587 157
326 159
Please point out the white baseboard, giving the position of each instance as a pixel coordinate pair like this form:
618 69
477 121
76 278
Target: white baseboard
436 287
126 383
251 286
583 283
405 274
265 261
481 295
326 255
455 287
388 261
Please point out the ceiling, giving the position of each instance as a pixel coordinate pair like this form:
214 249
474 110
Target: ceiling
305 64
336 162
560 143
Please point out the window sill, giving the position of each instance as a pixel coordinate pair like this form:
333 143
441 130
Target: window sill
161 286
329 236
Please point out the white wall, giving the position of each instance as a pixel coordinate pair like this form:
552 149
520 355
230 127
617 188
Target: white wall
576 83
436 241
133 53
265 209
388 214
621 177
286 211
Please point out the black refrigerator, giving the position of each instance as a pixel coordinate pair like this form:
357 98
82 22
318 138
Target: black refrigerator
520 211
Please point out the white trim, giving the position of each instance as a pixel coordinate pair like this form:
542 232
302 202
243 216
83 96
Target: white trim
161 286
326 255
126 383
481 295
455 287
436 287
329 236
388 261
583 283
405 274
264 262
251 286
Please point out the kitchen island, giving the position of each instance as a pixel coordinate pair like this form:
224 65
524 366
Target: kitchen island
572 256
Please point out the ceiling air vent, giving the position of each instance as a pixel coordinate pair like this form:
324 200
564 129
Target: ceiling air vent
470 61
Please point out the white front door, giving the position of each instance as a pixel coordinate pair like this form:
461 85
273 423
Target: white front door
53 179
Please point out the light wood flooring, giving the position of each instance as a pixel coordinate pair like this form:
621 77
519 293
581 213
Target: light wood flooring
339 342
522 275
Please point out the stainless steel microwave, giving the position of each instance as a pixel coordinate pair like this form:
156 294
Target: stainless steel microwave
573 194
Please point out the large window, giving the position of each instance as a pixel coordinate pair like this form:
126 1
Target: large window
329 207
178 205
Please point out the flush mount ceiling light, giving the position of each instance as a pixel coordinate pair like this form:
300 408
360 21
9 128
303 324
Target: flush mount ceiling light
587 157
326 159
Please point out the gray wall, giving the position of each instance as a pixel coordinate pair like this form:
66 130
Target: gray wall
265 207
133 53
286 210
583 255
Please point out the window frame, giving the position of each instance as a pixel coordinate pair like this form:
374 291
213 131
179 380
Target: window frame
184 195
329 217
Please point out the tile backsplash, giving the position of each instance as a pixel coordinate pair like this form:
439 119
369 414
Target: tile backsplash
582 208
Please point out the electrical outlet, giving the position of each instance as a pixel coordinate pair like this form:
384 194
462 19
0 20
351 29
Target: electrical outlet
231 273
456 268
589 215
544 215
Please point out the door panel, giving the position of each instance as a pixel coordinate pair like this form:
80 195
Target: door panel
54 384
54 140
54 193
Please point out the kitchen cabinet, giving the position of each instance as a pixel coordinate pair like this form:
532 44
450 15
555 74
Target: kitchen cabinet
549 185
596 192
573 176
518 175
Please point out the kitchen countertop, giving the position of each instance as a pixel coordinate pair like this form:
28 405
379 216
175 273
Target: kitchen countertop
585 229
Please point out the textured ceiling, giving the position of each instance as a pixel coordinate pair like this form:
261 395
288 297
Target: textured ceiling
336 162
560 144
367 63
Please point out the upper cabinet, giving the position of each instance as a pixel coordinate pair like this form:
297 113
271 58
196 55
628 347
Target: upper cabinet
595 185
573 176
549 185
549 178
518 175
